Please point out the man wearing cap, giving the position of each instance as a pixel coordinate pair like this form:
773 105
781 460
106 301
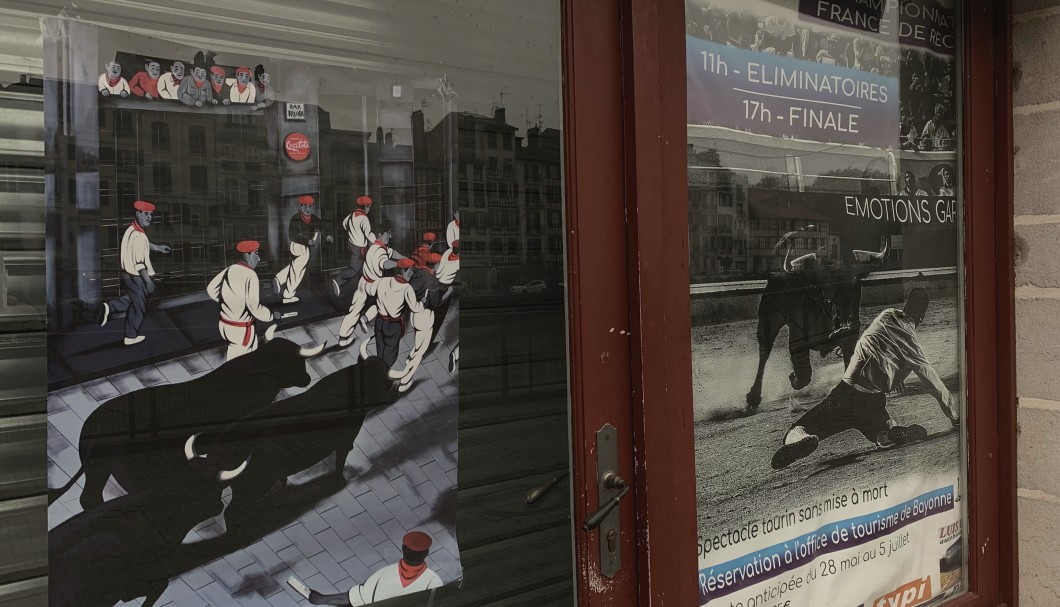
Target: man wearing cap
409 575
360 236
111 81
145 83
304 231
379 258
429 290
169 83
240 90
237 289
394 295
218 82
452 231
136 274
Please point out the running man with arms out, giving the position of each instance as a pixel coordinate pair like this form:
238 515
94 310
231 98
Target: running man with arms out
884 356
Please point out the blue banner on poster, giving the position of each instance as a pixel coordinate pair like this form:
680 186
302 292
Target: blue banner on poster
786 97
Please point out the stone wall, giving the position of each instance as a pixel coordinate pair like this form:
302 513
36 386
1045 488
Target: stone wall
1036 123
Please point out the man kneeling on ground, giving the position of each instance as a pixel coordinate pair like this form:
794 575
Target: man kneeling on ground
884 356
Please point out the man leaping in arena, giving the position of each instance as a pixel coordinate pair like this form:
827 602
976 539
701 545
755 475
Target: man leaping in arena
884 356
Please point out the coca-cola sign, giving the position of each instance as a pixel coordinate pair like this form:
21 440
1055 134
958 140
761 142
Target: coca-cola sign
296 146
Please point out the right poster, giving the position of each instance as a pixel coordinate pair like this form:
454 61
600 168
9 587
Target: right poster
825 225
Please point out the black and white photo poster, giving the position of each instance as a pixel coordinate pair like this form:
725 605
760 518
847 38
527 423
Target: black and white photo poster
824 247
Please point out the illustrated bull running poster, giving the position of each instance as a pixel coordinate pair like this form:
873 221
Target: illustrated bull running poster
824 235
253 350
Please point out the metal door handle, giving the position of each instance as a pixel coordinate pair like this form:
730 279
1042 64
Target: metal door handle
611 481
611 488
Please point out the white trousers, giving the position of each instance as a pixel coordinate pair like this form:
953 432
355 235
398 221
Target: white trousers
235 336
291 276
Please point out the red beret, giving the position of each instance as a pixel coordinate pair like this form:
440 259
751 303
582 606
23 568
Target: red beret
364 200
243 69
143 205
307 199
405 263
430 236
217 69
434 258
417 541
248 246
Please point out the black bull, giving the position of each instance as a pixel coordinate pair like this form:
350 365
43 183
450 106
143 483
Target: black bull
294 434
814 305
108 438
124 549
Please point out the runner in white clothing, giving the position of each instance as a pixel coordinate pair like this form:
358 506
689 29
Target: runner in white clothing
407 576
238 291
360 235
452 231
379 258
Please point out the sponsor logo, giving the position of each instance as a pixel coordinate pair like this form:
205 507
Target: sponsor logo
949 532
907 595
295 111
296 146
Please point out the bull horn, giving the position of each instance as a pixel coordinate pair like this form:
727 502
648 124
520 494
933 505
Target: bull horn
308 352
230 475
270 333
189 448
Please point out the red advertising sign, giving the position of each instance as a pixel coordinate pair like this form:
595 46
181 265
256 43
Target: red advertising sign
296 146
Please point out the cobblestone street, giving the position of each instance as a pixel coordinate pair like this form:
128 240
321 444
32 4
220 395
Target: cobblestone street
401 475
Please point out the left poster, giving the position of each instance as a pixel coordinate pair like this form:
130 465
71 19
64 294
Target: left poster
246 312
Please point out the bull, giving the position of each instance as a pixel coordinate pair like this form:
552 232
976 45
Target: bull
821 308
243 384
123 549
294 434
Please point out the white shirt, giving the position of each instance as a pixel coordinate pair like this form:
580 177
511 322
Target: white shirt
136 251
167 86
115 89
447 268
887 352
238 290
247 96
452 233
393 294
373 260
358 229
385 583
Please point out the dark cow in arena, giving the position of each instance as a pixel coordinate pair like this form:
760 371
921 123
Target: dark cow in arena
294 434
240 386
123 549
820 306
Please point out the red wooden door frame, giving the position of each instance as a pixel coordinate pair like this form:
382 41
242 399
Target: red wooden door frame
624 100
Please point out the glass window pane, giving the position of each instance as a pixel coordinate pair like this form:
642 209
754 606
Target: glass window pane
825 253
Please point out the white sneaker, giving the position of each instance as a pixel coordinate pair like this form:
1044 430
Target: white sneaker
104 314
129 341
289 300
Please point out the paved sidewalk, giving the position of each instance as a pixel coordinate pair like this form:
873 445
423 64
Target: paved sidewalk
401 475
